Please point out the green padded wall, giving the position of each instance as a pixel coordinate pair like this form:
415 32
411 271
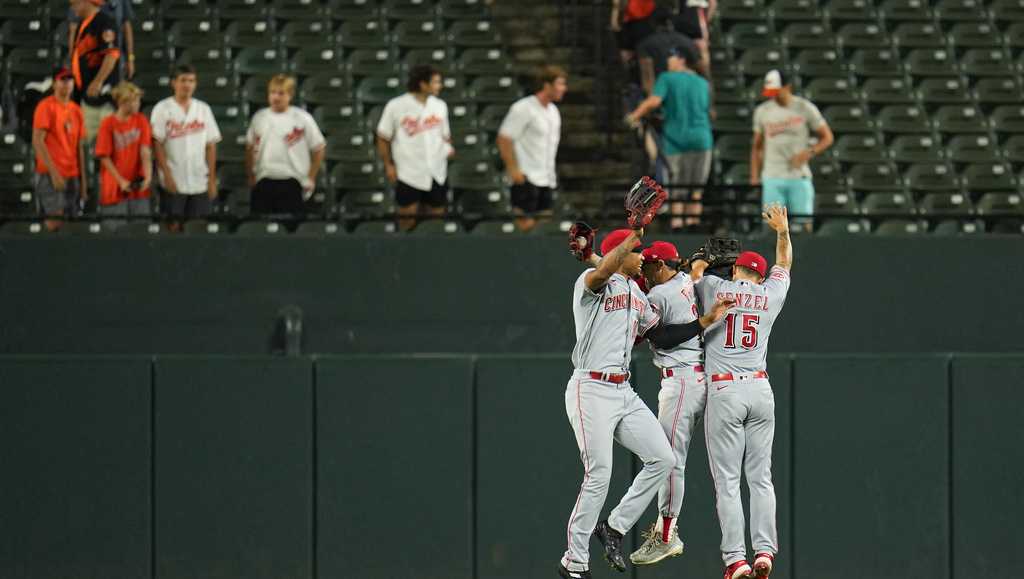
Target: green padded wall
871 467
75 454
234 468
528 468
987 458
394 467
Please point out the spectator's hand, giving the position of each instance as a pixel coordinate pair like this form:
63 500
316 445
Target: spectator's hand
93 89
391 173
59 184
451 152
800 159
124 185
632 121
516 176
308 185
211 190
146 182
130 69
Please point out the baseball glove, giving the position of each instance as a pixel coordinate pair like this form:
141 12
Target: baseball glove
581 240
643 201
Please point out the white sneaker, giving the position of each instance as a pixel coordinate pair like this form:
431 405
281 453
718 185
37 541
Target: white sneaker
654 549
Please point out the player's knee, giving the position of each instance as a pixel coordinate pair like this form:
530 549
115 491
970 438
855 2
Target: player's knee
760 485
662 461
598 479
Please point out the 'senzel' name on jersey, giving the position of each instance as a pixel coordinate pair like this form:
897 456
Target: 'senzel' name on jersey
745 301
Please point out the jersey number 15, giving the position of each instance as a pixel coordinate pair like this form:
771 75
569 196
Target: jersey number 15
748 325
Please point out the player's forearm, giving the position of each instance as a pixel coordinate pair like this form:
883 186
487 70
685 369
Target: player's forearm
784 250
508 154
668 336
612 262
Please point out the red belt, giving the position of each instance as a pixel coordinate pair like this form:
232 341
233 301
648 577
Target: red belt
729 376
668 373
613 378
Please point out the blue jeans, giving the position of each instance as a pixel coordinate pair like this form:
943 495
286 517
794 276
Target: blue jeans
797 195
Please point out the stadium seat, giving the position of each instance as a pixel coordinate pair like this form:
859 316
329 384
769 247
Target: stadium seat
731 89
261 228
1000 204
463 10
149 35
152 59
366 33
899 227
828 176
319 228
756 63
1013 150
733 118
851 11
491 117
23 9
377 90
436 57
438 227
851 149
969 34
845 119
873 63
831 90
902 120
24 228
992 92
256 61
201 227
307 34
923 62
960 119
317 61
474 34
482 204
879 177
483 61
242 9
409 9
747 35
419 34
829 203
837 227
733 148
195 35
462 119
455 89
251 33
910 35
345 10
185 10
907 149
942 204
475 176
298 10
960 11
935 92
1014 37
888 91
335 116
796 11
34 63
366 62
906 10
957 227
888 205
351 147
817 62
800 35
207 62
963 149
231 148
1007 10
863 35
28 33
986 62
326 89
931 178
988 177
495 89
347 177
139 228
367 205
737 175
495 228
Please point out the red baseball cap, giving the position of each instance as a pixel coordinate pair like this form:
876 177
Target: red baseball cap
62 73
754 261
662 250
613 239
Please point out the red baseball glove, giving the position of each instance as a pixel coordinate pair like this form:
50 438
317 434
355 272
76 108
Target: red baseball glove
581 240
643 201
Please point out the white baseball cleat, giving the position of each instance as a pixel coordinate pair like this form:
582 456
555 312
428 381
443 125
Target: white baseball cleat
763 565
654 549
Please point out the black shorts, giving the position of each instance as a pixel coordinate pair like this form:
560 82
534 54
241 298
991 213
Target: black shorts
406 195
690 22
180 206
277 196
530 198
631 33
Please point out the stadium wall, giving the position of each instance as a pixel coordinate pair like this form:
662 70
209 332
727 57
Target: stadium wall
221 294
464 467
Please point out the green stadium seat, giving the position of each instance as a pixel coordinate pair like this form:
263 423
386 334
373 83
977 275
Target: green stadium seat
231 148
28 33
756 63
878 177
419 34
256 61
148 35
475 176
908 149
233 185
1013 150
482 204
969 34
733 118
495 89
316 61
900 227
348 177
986 62
483 61
828 176
910 35
326 89
474 34
874 63
261 228
335 116
923 62
992 92
438 227
851 149
463 10
318 228
840 227
796 11
931 178
436 57
737 175
863 35
940 204
377 90
376 227
957 227
24 9
195 35
1007 10
1000 204
409 9
903 119
963 149
366 62
201 227
844 119
817 62
851 11
798 35
351 147
747 35
960 119
185 10
13 147
298 10
730 89
307 34
463 119
495 228
156 86
888 204
1008 226
988 177
888 91
936 92
207 61
345 10
907 10
1014 37
829 203
139 228
552 227
740 10
960 11
366 33
242 9
733 148
249 33
152 59
722 62
831 91
29 62
368 205
491 117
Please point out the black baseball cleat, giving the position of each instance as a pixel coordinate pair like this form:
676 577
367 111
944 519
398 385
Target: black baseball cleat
567 574
612 541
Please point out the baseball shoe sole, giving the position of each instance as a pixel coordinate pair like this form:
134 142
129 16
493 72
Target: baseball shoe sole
763 565
612 542
739 570
567 574
654 550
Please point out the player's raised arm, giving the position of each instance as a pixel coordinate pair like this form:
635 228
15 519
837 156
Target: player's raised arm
777 218
611 263
668 336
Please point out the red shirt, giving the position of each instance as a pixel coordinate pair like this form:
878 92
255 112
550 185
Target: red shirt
65 129
638 9
122 141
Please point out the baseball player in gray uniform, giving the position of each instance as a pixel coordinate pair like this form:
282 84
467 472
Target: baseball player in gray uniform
610 313
682 395
739 420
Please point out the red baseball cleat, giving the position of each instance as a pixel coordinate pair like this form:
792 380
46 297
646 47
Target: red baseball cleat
739 570
763 565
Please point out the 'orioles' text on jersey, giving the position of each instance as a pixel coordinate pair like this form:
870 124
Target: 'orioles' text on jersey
608 322
675 302
739 342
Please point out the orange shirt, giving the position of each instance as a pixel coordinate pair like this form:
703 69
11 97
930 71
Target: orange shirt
122 141
65 129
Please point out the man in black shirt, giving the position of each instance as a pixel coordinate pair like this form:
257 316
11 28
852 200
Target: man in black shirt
653 51
94 57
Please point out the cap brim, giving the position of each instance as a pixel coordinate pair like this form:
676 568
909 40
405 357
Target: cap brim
770 92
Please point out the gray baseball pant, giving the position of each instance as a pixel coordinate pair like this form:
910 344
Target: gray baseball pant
681 403
599 412
740 420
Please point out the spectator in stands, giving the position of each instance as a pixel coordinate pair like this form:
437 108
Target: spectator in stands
692 19
94 56
123 15
631 22
185 136
528 143
653 51
284 149
414 142
58 132
686 141
123 147
782 147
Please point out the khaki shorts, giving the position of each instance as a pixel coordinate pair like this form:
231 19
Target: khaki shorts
93 116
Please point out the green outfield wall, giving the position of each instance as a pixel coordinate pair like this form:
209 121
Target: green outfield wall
464 467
